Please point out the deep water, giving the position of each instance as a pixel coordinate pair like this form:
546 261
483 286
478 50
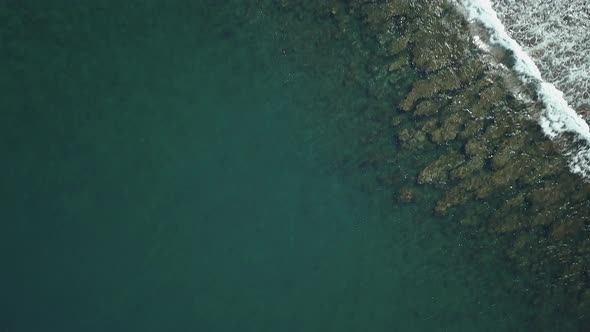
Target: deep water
172 166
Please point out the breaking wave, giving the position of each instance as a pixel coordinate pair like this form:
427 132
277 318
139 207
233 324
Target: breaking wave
548 56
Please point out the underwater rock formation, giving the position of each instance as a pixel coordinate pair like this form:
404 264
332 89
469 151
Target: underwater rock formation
479 146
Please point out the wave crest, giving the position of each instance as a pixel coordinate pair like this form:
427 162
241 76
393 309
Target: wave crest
557 118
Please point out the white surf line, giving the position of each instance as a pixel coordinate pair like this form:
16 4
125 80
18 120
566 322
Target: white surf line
558 117
554 33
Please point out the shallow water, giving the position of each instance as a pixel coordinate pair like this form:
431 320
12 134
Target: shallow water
181 167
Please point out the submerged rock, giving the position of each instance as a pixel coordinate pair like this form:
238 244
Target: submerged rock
443 82
411 139
488 151
427 108
405 195
438 171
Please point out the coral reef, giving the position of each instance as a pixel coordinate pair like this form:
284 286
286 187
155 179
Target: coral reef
405 195
483 147
493 154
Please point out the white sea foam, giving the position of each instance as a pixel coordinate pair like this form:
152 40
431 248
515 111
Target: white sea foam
558 116
555 34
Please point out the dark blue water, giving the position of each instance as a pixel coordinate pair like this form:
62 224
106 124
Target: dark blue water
171 166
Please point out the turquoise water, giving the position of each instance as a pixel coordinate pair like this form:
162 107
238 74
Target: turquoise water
179 167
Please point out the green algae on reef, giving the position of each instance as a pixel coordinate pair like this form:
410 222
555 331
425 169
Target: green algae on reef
496 173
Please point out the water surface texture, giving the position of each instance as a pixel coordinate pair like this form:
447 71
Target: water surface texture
228 166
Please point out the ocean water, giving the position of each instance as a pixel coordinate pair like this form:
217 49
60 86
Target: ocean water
222 166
